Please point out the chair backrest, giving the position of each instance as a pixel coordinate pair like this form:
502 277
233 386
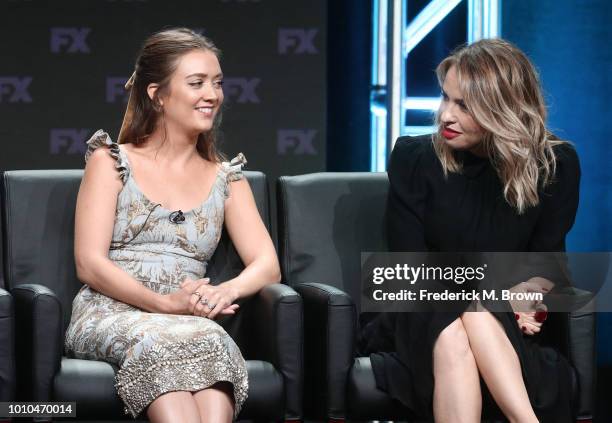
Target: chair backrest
325 221
2 284
38 225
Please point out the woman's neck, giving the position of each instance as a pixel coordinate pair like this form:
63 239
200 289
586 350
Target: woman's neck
479 150
171 146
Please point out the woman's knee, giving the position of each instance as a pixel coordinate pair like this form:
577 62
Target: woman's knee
173 406
220 392
452 346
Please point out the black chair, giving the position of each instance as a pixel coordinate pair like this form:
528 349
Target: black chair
325 221
7 342
38 223
7 347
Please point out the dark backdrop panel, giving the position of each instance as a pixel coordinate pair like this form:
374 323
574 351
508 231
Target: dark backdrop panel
63 65
570 43
349 55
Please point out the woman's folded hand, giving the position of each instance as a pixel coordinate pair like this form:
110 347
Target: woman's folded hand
210 300
180 301
530 315
530 322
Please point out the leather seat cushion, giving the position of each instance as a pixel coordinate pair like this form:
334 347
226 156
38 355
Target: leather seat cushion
91 384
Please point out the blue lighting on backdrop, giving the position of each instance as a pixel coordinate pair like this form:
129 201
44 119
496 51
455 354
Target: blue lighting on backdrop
389 76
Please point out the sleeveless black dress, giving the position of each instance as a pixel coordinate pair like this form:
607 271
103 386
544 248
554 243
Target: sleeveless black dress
467 212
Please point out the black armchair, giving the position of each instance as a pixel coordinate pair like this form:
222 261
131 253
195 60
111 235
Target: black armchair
7 341
7 347
38 223
325 221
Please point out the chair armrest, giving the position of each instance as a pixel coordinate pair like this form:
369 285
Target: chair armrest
275 334
39 340
7 347
582 355
330 321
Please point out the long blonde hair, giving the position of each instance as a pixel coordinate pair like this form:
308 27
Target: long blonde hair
501 90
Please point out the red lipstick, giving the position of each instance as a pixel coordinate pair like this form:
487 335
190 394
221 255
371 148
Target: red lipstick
449 134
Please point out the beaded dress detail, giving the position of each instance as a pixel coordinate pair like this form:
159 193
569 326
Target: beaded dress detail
158 353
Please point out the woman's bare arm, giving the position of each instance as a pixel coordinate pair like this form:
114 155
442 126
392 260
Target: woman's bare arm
254 245
94 221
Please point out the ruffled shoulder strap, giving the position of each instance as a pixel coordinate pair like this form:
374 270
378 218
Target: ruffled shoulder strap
102 139
233 170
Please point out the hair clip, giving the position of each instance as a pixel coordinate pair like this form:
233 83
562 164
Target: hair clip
130 82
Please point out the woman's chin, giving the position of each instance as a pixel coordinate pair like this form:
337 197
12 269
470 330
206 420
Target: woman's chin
456 143
461 144
200 128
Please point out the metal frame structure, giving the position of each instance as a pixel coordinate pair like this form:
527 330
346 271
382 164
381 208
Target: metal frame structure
392 42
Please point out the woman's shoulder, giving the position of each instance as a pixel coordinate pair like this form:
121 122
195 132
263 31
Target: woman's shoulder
410 153
234 167
565 153
567 166
102 150
232 171
419 145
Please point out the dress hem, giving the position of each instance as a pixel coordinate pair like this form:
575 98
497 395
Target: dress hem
158 371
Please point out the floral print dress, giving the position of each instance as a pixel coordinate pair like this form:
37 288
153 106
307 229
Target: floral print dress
158 353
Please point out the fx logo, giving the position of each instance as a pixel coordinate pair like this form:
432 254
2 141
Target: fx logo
68 140
69 40
15 89
115 89
241 90
297 41
298 140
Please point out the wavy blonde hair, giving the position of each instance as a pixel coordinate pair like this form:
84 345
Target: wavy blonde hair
501 90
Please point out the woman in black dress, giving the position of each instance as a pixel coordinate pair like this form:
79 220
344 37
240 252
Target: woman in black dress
491 179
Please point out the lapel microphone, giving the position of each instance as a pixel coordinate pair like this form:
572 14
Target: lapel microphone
177 217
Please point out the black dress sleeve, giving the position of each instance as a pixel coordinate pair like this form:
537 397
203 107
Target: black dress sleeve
407 195
405 231
559 203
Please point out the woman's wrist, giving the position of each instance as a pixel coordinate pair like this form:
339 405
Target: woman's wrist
162 304
234 287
